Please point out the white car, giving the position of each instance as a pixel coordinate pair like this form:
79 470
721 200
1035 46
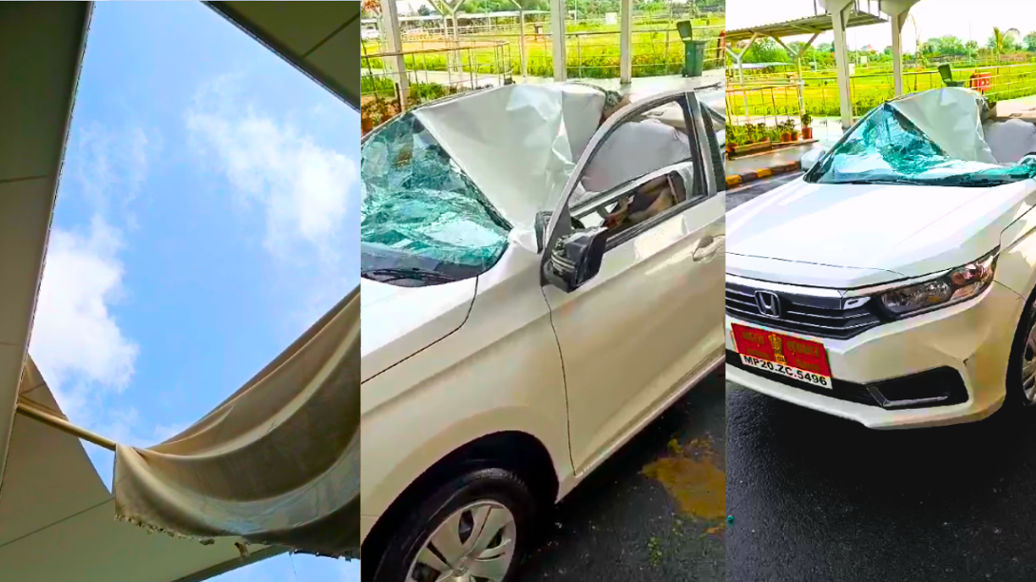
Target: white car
511 341
892 284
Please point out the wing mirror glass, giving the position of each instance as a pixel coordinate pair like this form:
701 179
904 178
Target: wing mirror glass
810 158
575 258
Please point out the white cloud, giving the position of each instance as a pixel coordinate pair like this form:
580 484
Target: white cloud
76 340
302 187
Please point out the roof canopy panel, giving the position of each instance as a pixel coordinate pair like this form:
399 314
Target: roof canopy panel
799 26
322 39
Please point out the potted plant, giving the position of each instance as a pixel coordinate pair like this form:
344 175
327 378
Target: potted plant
785 131
794 131
807 129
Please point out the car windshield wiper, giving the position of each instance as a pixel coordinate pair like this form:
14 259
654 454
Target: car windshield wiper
394 274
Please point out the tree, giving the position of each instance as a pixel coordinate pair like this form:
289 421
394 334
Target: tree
1030 42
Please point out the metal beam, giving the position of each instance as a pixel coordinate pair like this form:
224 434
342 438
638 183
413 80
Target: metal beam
34 410
557 38
626 42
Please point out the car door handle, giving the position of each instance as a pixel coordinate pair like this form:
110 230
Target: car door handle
707 247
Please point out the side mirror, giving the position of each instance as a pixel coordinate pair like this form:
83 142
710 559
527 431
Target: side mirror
576 258
810 158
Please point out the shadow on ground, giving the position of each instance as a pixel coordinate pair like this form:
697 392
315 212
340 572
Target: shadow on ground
632 518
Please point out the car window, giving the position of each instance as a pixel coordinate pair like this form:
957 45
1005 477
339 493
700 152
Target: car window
422 220
643 171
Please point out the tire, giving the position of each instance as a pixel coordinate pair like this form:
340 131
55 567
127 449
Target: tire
1022 351
483 492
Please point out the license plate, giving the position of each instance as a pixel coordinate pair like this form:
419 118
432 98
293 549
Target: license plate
796 358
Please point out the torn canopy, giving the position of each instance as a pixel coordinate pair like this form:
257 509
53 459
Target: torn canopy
930 138
277 463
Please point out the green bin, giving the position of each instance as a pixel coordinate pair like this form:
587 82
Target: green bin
694 50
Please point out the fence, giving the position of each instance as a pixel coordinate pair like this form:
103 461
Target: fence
432 72
657 50
778 95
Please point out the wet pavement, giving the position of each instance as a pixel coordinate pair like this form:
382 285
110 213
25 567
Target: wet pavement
815 497
738 196
819 498
653 511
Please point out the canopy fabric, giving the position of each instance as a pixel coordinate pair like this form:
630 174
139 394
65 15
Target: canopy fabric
276 463
517 143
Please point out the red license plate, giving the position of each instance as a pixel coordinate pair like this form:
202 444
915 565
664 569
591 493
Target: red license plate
793 357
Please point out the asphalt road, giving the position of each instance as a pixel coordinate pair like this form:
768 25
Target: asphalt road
818 498
629 520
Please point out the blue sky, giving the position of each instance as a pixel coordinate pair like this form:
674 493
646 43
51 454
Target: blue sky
207 214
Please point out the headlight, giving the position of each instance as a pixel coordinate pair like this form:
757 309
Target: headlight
958 285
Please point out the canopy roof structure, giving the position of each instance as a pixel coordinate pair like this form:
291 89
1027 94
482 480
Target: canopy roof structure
322 39
840 15
808 25
57 519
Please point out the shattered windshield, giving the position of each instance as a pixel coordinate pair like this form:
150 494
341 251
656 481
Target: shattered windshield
422 220
888 148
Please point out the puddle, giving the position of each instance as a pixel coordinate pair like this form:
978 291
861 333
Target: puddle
690 475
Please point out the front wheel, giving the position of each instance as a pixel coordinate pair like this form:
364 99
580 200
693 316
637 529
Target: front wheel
1021 374
474 528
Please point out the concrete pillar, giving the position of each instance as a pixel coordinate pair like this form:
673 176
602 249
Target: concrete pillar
840 10
557 38
626 42
897 10
395 65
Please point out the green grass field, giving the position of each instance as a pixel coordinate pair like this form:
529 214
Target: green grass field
593 51
820 93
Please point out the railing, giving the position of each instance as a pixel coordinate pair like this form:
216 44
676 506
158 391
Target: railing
431 72
778 95
589 54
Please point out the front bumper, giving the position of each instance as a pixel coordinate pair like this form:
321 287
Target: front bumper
973 338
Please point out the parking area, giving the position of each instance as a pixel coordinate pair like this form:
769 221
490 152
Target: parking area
819 498
653 511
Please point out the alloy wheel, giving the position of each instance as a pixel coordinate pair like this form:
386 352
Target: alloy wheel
1029 363
474 544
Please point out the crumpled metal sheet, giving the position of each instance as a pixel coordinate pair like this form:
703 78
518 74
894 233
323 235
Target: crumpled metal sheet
931 138
518 143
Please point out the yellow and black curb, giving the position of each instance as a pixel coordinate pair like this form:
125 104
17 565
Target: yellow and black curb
739 179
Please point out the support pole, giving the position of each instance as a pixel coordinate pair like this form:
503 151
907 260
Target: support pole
522 61
33 410
626 42
557 38
839 10
397 64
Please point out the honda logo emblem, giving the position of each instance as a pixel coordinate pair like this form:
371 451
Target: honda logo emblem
769 303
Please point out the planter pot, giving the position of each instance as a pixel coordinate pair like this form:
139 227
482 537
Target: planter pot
794 136
807 133
785 137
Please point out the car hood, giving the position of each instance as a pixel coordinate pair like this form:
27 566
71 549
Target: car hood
397 322
860 234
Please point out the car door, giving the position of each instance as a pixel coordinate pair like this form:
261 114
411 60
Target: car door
651 318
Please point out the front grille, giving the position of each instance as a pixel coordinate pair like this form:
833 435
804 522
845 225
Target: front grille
808 314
